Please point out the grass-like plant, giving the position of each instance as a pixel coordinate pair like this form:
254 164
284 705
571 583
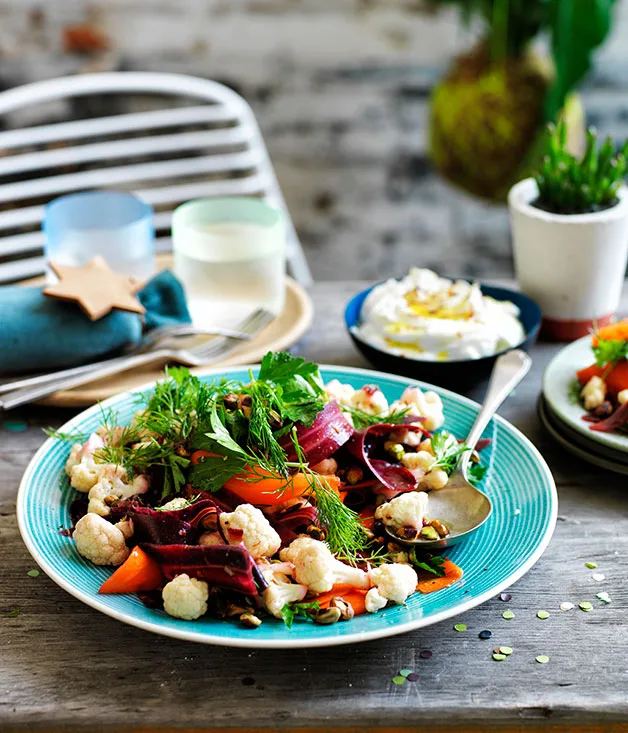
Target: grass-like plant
568 185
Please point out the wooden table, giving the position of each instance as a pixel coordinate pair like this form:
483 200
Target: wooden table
65 666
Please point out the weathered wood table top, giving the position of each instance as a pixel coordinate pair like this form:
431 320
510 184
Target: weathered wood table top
65 666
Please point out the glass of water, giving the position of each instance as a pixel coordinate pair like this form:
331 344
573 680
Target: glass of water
116 225
230 255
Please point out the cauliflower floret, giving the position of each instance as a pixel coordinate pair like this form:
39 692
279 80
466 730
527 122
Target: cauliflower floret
408 437
425 404
280 590
100 541
88 472
116 488
622 396
318 569
421 461
370 399
185 597
436 479
593 393
210 538
406 510
374 601
126 527
394 581
342 393
177 503
257 534
80 452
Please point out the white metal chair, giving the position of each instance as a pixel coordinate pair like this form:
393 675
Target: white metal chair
211 146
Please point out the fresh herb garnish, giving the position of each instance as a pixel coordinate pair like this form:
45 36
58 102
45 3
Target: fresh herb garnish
430 563
447 451
362 419
297 610
475 473
609 351
573 392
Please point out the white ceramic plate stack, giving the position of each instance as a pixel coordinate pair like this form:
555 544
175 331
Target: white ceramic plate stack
563 417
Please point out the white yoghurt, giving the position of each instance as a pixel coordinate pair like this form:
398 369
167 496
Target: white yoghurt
427 317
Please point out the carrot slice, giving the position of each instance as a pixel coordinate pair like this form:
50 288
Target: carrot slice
139 572
591 371
452 574
354 596
613 332
262 488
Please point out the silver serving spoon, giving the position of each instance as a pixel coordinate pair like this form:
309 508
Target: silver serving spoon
461 506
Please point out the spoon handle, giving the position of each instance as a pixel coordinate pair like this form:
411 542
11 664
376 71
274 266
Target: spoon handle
510 368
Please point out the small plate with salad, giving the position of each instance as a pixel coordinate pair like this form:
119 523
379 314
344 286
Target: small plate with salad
248 507
586 386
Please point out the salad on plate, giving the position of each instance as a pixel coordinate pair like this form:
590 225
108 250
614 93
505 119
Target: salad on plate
265 498
602 387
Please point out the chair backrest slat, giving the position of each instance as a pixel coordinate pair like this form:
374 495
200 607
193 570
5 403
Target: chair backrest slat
202 141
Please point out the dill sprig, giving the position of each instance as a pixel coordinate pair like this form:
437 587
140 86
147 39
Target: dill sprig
363 419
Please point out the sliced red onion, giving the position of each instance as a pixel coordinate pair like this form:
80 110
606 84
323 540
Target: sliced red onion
291 518
395 478
614 421
328 432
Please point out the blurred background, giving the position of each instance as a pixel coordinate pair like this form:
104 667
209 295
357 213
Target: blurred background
343 92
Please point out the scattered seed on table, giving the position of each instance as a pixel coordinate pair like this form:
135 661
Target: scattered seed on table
486 634
499 657
425 654
506 650
517 512
33 573
505 597
542 659
542 614
585 605
412 677
598 577
508 615
460 627
590 565
405 672
399 680
604 597
566 606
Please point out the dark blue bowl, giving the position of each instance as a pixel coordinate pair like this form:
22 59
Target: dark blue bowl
458 374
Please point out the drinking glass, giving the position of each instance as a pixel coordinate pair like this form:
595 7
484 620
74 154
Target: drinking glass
116 225
230 255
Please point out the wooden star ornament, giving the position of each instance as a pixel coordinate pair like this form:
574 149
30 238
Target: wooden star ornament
96 288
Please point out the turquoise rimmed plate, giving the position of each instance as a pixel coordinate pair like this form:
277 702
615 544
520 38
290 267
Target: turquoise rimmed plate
519 484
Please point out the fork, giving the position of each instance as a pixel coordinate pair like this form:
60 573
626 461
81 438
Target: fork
200 355
149 341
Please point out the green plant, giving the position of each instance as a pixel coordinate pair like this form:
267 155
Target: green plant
575 27
568 185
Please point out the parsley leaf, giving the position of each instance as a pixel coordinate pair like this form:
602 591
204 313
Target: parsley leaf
475 473
431 564
212 472
610 351
447 451
297 610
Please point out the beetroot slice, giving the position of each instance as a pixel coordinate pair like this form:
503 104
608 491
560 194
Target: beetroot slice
328 432
227 566
616 420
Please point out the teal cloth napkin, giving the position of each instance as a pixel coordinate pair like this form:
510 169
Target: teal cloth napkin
40 334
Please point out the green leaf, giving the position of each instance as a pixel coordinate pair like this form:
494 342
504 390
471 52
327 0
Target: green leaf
221 436
447 451
475 473
577 28
610 351
212 472
431 564
297 610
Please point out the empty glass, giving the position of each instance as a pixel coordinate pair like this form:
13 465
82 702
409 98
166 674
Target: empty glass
230 255
118 226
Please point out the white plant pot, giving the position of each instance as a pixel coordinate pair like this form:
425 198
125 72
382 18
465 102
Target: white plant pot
573 266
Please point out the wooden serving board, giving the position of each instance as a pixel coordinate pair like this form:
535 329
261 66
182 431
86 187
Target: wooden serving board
289 326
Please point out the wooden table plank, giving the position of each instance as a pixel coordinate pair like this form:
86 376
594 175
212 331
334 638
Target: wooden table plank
63 665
